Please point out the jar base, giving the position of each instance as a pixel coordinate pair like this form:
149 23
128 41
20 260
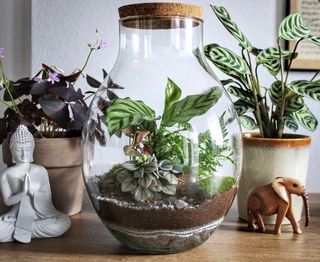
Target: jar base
162 241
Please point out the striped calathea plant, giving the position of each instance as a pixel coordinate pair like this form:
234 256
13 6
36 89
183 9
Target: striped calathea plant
282 102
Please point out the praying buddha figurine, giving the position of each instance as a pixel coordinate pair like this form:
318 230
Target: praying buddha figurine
26 188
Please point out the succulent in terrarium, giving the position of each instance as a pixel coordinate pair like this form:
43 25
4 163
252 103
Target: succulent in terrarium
147 179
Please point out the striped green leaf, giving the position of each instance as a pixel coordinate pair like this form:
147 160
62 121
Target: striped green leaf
243 107
294 102
292 28
291 123
172 94
248 122
226 60
240 93
224 17
275 92
270 54
227 82
306 88
273 66
305 118
315 40
125 112
195 105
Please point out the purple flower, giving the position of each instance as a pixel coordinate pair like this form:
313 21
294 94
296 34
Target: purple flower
53 77
2 52
38 79
102 44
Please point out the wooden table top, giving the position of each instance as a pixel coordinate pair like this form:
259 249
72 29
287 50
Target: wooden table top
89 240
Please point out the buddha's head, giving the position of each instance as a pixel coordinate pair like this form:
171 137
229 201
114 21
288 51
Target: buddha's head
22 145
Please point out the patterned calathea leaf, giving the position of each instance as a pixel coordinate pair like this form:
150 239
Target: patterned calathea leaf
248 122
275 92
306 88
224 17
291 123
243 106
294 102
240 93
315 40
292 28
125 112
273 66
305 118
271 54
227 61
187 108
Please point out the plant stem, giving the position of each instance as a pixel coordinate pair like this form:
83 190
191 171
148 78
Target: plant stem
315 75
291 58
256 93
283 94
85 64
14 105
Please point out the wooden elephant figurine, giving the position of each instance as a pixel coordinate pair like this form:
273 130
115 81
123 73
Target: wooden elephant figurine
275 198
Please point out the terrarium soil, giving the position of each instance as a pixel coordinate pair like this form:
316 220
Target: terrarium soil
204 212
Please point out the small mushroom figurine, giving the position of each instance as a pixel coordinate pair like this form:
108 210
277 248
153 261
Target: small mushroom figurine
26 189
275 198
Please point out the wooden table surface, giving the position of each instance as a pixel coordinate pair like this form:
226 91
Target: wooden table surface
89 240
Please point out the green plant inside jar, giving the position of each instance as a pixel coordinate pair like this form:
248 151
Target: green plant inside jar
159 161
286 105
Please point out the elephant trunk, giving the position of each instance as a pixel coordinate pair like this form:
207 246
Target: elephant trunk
305 198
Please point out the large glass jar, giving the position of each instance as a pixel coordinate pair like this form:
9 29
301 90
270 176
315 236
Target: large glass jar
162 149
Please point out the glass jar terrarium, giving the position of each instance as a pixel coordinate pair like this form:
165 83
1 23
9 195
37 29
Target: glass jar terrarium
162 149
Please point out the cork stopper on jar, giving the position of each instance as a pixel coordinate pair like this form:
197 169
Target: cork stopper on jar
162 12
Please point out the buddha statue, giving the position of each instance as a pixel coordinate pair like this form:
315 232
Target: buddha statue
26 189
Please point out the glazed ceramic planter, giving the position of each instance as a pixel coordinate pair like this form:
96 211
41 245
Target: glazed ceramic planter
265 159
62 158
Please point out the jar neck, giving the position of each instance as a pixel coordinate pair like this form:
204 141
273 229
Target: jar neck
144 38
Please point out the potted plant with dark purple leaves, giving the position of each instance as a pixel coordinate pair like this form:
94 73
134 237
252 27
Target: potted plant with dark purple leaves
269 153
54 111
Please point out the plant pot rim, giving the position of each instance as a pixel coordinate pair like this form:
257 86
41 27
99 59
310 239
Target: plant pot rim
46 139
288 140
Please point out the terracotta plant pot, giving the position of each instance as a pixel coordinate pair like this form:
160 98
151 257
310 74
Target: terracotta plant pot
265 159
62 158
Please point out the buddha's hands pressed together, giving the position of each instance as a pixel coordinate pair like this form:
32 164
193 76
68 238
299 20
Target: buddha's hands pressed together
27 185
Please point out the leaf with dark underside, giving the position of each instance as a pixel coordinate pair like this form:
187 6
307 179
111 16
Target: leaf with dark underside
105 74
18 89
79 112
39 89
56 109
93 82
3 129
68 94
111 95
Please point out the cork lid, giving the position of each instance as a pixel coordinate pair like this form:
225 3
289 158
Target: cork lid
158 11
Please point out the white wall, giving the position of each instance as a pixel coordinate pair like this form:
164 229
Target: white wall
61 30
15 37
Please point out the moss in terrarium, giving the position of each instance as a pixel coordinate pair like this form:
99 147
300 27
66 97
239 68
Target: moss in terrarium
217 184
